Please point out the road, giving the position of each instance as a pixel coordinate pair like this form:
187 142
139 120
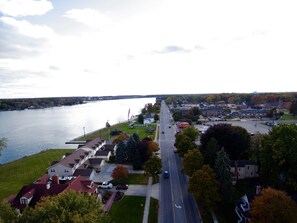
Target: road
177 205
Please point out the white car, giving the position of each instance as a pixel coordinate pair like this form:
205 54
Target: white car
106 185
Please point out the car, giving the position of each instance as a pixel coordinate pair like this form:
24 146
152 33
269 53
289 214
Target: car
169 126
175 150
162 132
105 185
166 174
122 186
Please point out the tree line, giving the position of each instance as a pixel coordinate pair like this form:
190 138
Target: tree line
208 167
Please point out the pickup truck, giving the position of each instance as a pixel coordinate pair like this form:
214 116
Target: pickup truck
105 185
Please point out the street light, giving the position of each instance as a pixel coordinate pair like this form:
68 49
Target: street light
84 131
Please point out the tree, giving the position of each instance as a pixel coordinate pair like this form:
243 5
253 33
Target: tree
140 118
204 186
156 117
192 161
191 132
222 169
7 213
131 148
153 166
121 155
293 109
210 154
121 137
234 139
273 206
72 207
120 172
184 144
153 147
278 156
3 144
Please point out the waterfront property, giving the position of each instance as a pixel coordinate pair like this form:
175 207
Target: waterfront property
31 194
84 161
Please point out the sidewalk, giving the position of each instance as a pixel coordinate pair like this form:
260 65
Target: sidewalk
147 201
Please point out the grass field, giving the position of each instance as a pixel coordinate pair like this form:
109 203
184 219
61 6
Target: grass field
129 210
26 170
104 133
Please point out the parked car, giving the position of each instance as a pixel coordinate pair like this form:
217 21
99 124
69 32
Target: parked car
166 174
105 185
122 186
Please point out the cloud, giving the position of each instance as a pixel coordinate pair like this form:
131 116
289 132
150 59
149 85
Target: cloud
173 49
17 8
89 17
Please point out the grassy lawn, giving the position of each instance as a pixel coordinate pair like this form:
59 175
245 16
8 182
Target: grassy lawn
129 210
154 207
104 133
26 170
288 117
133 179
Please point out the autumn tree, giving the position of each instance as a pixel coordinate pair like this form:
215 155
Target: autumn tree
121 154
192 161
273 206
69 207
153 147
3 144
278 156
120 172
153 166
293 109
204 185
234 139
222 170
121 137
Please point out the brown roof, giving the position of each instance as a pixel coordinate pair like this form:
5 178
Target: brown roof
102 153
83 172
70 160
93 144
94 161
38 190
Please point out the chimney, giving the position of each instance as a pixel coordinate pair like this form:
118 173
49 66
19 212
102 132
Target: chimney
55 179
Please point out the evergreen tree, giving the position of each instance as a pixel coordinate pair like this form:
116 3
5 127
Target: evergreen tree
222 169
131 148
121 155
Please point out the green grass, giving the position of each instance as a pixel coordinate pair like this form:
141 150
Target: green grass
26 170
288 117
129 210
133 179
154 207
104 133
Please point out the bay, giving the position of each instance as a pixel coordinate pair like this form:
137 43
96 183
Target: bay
31 131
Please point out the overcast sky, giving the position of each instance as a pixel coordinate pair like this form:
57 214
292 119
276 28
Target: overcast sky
116 47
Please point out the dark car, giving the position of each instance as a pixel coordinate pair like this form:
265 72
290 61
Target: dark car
122 187
166 174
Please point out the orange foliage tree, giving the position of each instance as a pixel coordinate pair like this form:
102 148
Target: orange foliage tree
153 146
120 172
273 206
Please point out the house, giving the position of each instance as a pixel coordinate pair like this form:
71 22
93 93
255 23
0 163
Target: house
31 194
77 160
148 119
242 169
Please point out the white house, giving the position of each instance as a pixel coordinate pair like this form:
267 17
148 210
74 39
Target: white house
242 169
148 119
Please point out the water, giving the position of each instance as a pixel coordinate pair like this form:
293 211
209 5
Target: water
31 131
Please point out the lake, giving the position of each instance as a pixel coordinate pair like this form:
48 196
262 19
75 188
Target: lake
31 131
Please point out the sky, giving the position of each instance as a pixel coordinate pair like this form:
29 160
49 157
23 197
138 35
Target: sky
115 47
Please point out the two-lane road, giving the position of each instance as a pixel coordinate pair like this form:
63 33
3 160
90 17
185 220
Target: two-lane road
177 205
